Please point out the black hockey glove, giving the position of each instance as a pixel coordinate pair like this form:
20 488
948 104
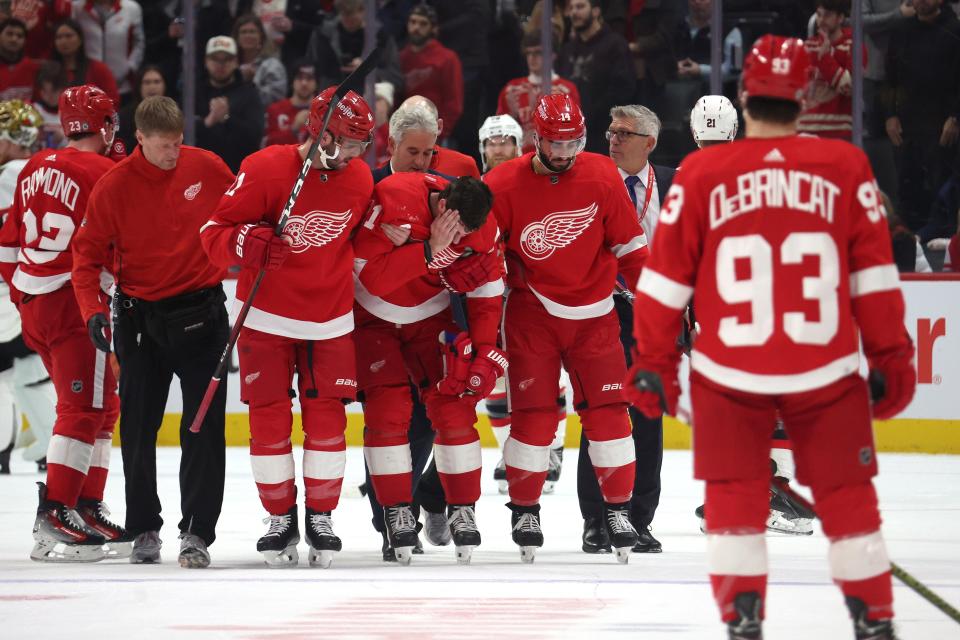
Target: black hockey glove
97 327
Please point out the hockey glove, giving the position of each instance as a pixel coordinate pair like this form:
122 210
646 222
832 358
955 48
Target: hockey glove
653 388
893 381
457 353
118 151
258 247
99 329
489 365
470 272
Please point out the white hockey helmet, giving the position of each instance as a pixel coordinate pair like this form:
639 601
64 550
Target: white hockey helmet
503 125
713 119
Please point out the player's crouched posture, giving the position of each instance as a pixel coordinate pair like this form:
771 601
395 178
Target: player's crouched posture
569 228
302 317
444 238
783 242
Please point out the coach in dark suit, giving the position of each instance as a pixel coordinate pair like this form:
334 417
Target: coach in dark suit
632 135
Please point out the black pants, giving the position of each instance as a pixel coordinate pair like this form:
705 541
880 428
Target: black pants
146 371
421 444
648 441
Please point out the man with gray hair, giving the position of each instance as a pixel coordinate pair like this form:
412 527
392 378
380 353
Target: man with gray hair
412 143
632 134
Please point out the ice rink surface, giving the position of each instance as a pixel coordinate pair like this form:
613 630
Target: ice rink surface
564 594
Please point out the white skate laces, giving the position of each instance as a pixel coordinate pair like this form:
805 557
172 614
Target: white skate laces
462 519
402 520
322 524
278 524
527 523
619 520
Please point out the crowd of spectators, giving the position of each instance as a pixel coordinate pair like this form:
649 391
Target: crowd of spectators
260 61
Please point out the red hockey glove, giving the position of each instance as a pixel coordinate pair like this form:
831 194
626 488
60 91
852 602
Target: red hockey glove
893 381
118 151
652 386
258 247
470 272
457 352
489 365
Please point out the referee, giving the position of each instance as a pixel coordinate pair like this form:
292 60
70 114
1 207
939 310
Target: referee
169 318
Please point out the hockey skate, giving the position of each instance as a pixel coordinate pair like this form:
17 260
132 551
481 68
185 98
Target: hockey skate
620 530
553 470
787 515
462 520
279 544
60 535
146 548
864 628
321 538
747 625
95 516
500 476
401 531
526 530
435 528
193 552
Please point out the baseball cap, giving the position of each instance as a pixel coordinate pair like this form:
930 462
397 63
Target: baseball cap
221 44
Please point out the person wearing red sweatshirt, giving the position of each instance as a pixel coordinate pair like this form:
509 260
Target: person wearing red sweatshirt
302 318
50 202
169 318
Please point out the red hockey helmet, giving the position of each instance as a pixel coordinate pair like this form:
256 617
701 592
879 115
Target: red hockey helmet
351 119
777 67
85 109
558 118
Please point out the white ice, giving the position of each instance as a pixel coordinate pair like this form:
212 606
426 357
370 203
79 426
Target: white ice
565 593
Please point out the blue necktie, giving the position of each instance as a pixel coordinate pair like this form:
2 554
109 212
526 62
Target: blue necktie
631 182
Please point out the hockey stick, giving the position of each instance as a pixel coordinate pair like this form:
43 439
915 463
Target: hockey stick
361 71
922 590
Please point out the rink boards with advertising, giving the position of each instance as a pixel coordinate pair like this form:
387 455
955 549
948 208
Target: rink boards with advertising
930 424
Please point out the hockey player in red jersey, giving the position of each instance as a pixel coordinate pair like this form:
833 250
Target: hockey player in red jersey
302 317
36 260
782 240
569 229
402 307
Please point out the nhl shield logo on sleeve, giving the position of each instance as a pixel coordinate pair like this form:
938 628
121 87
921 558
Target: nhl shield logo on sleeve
76 386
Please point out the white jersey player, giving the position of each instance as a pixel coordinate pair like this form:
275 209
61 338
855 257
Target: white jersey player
25 386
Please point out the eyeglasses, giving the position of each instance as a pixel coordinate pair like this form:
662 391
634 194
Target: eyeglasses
623 136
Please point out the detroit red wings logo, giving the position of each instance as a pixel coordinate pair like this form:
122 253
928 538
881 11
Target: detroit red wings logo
315 229
540 239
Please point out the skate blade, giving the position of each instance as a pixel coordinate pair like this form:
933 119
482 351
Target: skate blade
404 555
623 554
118 550
285 559
464 553
549 486
60 552
797 527
503 487
322 558
527 554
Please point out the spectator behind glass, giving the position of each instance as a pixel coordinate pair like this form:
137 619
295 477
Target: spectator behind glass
519 97
598 62
39 16
336 47
907 252
70 51
653 29
16 70
286 118
228 108
48 86
150 82
113 32
288 28
692 45
922 107
258 63
430 69
383 108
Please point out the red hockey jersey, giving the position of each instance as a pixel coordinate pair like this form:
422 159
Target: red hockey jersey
395 283
311 296
829 106
567 235
519 98
48 208
279 126
783 242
